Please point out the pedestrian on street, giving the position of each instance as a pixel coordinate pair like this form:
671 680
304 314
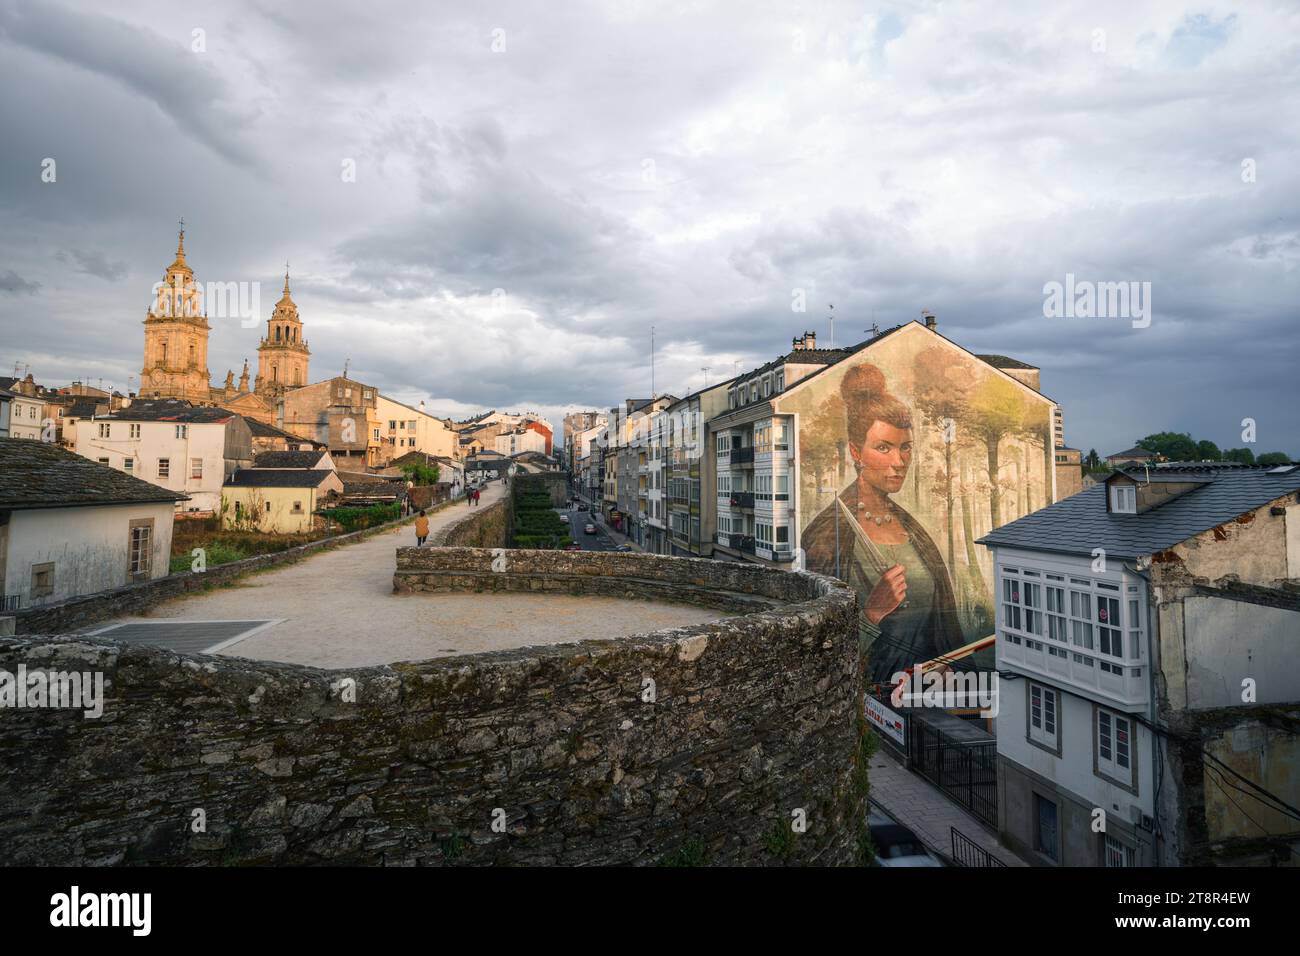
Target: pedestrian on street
421 529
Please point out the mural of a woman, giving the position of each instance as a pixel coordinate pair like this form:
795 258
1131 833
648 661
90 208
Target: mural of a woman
907 609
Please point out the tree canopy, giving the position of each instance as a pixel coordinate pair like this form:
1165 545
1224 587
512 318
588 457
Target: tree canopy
1181 446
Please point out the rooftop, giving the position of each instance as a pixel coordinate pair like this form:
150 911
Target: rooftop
288 459
277 478
169 410
1082 522
37 474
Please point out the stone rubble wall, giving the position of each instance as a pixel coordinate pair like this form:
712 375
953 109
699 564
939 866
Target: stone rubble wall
738 741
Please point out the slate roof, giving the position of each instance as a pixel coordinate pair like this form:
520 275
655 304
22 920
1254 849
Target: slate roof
1137 451
287 459
169 410
1082 522
277 478
37 474
263 430
86 407
372 490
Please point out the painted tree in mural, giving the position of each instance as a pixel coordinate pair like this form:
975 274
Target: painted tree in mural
998 411
943 393
819 441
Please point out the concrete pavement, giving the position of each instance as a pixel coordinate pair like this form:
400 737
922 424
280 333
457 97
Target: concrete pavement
926 810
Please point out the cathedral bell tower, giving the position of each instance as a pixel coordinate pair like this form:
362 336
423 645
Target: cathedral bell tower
176 336
283 354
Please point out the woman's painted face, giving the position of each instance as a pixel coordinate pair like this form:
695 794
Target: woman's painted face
885 455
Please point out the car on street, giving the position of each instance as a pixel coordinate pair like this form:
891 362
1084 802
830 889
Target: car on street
573 546
896 845
626 547
582 506
564 518
590 529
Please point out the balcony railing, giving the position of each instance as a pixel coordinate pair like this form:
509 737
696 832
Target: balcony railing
742 499
9 602
741 542
740 456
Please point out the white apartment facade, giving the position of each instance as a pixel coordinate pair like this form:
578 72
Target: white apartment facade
1146 633
191 453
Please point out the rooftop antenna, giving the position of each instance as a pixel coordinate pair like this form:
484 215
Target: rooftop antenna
705 370
346 361
652 362
832 308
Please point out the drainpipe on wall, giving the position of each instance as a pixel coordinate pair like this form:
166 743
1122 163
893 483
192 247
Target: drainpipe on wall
1152 663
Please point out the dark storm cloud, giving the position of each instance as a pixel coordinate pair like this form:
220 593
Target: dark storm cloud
523 212
12 282
94 263
162 71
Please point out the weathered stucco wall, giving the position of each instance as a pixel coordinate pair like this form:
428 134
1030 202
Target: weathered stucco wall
733 742
87 546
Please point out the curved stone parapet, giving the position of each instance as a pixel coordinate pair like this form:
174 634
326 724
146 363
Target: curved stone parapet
738 741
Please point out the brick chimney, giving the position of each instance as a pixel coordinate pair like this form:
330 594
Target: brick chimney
929 319
810 340
796 344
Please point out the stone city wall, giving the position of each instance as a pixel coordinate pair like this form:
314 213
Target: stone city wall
739 741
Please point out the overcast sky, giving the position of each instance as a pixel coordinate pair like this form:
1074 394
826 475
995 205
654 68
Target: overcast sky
612 166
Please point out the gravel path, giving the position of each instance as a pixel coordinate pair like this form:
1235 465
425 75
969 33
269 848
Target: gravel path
338 609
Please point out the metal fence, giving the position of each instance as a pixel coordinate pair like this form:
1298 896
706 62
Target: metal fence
965 770
966 852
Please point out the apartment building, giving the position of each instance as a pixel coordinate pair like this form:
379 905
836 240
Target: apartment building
690 468
629 441
574 424
520 440
973 449
404 429
1146 631
343 415
167 442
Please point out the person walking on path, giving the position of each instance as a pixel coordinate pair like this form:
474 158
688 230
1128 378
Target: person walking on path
421 529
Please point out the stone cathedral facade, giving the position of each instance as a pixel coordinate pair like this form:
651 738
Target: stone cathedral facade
176 349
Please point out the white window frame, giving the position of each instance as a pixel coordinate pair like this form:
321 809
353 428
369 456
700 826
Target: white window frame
1123 499
1114 735
1044 716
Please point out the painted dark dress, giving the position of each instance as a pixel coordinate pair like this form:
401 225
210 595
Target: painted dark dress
923 629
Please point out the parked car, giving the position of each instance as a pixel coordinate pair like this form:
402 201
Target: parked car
590 529
573 546
582 506
896 845
626 547
564 518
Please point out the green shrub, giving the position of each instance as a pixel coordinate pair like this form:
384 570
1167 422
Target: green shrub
355 519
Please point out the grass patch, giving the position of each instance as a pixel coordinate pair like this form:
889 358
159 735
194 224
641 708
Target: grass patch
690 853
